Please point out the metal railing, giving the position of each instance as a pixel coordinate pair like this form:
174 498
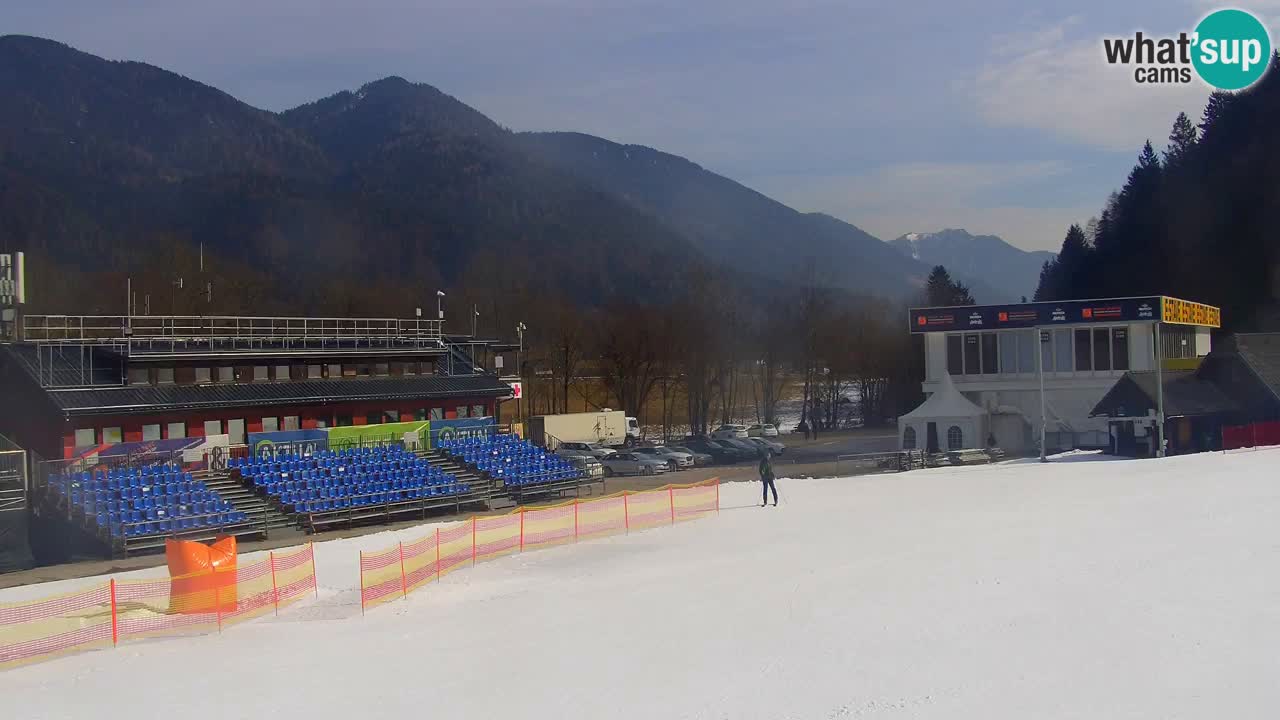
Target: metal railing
13 480
221 331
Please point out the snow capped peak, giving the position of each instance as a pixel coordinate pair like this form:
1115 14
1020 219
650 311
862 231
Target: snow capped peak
913 236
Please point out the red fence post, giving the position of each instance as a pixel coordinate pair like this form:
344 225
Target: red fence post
115 623
521 529
404 584
575 519
437 554
362 582
1254 427
473 541
315 582
626 511
671 497
275 589
717 495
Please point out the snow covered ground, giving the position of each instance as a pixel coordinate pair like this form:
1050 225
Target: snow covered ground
1080 589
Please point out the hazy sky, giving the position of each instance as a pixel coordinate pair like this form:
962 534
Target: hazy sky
998 116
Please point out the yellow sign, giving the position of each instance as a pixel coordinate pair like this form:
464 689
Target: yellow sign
1185 312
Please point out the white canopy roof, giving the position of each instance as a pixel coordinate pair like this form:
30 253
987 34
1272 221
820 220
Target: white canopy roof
947 402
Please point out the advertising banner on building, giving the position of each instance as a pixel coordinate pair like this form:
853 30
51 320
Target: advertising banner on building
412 434
1028 315
461 428
290 442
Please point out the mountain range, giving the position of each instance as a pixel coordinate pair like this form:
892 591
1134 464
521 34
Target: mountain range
982 261
366 201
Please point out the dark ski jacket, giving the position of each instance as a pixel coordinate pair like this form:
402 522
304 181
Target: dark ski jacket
766 467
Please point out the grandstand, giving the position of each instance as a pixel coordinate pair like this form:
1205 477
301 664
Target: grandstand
354 485
524 469
131 424
137 507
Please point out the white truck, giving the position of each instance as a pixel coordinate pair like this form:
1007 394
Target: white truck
606 427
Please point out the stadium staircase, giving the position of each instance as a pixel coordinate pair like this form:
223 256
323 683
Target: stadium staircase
485 487
275 523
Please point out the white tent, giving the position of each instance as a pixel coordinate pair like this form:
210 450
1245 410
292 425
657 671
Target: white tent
957 421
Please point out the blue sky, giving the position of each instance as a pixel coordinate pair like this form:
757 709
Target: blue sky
996 116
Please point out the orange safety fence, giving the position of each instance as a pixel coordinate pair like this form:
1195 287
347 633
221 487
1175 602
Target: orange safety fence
121 610
395 572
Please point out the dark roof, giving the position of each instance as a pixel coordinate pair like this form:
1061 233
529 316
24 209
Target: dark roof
67 365
1261 351
1185 395
146 398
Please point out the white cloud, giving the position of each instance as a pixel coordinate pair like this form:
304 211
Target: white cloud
924 197
1064 86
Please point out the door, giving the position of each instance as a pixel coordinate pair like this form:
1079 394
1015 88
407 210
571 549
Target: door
931 433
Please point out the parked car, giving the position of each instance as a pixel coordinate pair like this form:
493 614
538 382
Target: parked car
763 430
773 446
722 453
748 448
724 432
596 450
629 463
699 459
675 459
589 466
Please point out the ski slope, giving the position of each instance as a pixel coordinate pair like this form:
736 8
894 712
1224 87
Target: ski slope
1085 588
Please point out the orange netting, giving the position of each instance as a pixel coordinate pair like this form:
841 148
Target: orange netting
121 610
396 571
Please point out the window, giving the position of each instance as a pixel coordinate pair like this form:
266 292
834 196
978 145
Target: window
176 430
321 424
989 353
335 371
212 427
315 371
411 368
290 422
477 411
184 375
150 432
971 353
139 376
955 356
462 411
235 431
1026 351
909 438
86 437
112 435
373 418
1062 350
1120 348
270 424
437 413
381 369
420 414
282 372
259 373
1084 350
343 421
362 370
164 376
203 376
1101 349
955 438
1008 353
226 374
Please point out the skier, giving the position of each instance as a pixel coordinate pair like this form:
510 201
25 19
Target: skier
766 478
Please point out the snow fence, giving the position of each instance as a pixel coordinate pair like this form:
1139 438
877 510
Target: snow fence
122 610
398 570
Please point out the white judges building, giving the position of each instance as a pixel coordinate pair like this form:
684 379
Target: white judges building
983 374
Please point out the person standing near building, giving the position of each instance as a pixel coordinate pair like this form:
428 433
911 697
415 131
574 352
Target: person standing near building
766 478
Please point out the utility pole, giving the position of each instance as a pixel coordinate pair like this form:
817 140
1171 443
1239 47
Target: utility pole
520 328
1040 336
1159 354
